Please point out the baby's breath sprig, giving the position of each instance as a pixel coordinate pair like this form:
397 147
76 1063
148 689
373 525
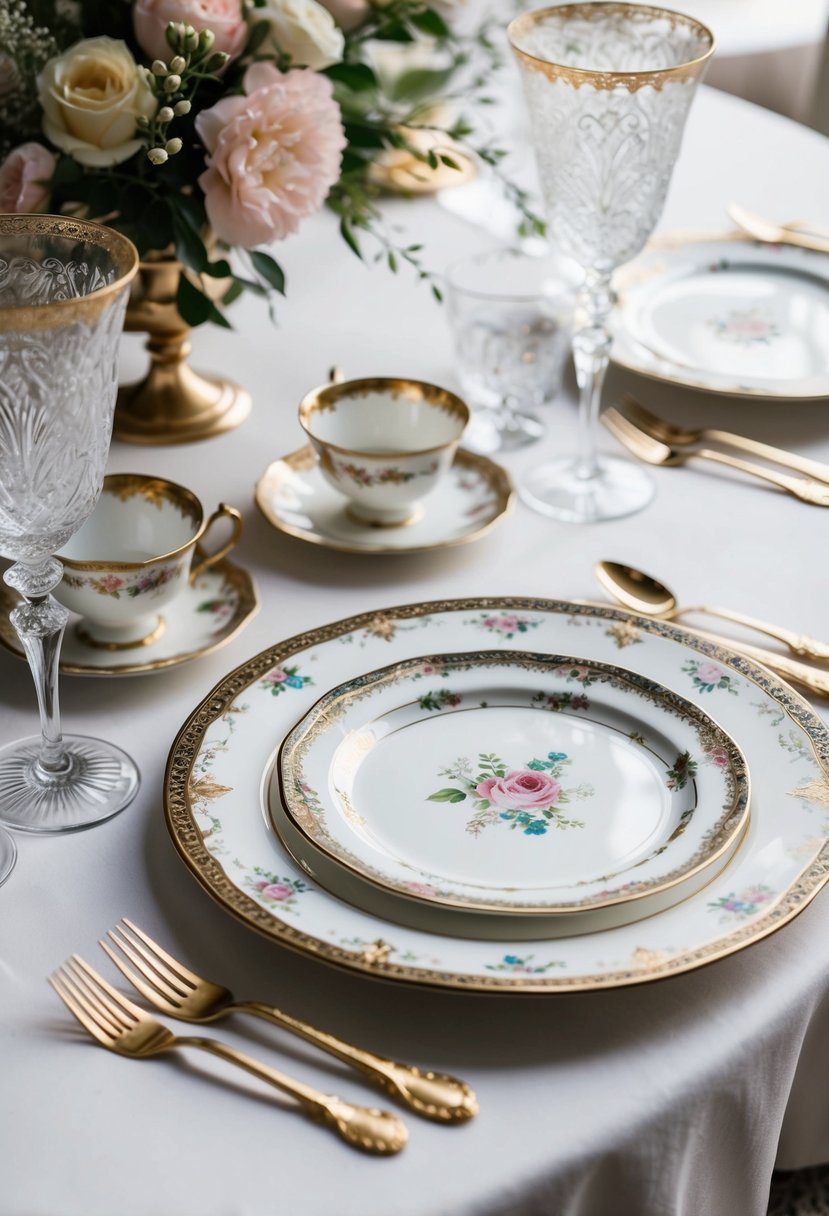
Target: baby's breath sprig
174 85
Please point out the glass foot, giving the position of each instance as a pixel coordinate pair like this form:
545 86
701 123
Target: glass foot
98 783
491 430
8 855
555 489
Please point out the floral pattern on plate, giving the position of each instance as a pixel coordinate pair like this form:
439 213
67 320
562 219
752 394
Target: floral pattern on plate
145 582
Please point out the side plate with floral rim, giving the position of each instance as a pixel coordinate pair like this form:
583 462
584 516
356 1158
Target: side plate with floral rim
477 794
471 499
726 314
217 774
203 618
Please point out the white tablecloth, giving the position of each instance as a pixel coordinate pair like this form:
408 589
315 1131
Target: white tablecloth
669 1098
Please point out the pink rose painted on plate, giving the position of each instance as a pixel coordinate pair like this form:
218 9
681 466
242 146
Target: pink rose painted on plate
520 790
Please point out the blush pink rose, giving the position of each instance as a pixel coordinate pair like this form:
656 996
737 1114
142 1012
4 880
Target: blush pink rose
347 13
223 17
521 790
273 155
709 673
24 177
275 890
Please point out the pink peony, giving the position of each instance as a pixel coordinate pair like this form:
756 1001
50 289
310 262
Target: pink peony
223 18
22 177
273 154
521 790
709 673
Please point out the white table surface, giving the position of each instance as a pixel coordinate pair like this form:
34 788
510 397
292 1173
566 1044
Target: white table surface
669 1098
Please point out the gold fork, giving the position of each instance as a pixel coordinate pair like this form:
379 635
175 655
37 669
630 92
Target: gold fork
122 1027
679 436
172 988
654 451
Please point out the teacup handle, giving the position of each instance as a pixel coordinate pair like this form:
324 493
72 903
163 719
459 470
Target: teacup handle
222 512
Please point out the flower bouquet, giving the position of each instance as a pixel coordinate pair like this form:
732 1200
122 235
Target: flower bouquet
205 128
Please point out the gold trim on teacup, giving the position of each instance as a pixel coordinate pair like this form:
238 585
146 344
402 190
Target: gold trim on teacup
304 459
328 396
158 490
643 965
28 317
606 80
98 644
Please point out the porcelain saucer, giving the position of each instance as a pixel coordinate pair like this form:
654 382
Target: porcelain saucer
201 619
296 499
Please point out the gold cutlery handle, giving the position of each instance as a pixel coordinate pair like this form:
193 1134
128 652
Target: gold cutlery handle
374 1131
799 643
766 451
806 490
433 1095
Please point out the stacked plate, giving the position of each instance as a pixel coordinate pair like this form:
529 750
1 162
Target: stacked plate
481 794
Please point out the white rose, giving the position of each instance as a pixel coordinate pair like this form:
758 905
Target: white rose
91 96
304 30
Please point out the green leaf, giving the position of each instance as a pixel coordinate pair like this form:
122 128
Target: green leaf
481 804
347 233
270 270
430 22
193 305
420 83
361 136
447 795
258 34
218 270
189 245
356 76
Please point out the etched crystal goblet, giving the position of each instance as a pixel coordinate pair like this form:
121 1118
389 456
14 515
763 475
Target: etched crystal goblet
63 292
608 88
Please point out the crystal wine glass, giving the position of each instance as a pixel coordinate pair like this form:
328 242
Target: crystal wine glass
608 87
63 294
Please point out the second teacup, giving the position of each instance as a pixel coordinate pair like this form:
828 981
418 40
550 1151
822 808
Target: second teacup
134 555
384 443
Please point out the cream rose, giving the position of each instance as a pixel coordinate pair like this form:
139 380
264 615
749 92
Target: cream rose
304 30
91 96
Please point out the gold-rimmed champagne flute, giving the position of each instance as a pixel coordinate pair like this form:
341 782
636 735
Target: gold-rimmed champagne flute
63 293
608 87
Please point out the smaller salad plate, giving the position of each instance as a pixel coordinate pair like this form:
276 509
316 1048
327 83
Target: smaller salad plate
470 499
726 314
478 794
202 618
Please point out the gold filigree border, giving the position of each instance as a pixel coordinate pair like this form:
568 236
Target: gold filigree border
632 81
189 842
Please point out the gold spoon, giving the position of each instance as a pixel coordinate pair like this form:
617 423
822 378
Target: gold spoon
644 594
776 234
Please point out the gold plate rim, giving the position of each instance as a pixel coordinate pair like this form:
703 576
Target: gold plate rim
189 844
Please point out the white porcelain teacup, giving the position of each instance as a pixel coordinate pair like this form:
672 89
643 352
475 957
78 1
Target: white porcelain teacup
134 555
384 443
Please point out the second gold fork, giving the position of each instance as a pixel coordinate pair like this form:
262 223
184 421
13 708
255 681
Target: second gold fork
175 990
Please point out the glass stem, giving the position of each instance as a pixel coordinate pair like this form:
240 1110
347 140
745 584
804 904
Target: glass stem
40 623
591 353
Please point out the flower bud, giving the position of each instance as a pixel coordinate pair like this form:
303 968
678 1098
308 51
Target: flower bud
216 62
159 68
172 84
191 40
206 40
172 146
178 64
181 108
157 156
173 33
165 114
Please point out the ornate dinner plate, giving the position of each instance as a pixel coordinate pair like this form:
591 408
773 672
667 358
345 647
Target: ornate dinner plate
218 771
726 314
204 617
478 794
472 498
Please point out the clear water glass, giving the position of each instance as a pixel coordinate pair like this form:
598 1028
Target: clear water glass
512 321
63 293
608 88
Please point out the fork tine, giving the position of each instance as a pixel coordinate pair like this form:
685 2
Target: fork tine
77 1010
149 985
178 969
144 958
109 996
95 1019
